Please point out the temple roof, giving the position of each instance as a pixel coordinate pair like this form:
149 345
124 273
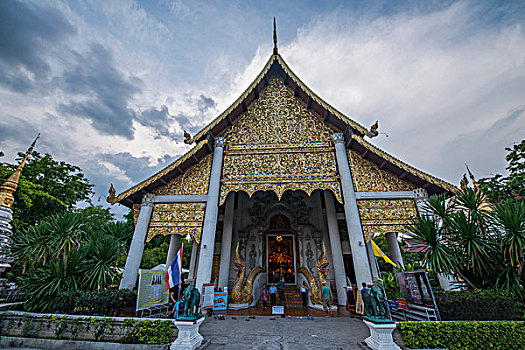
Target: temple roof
276 67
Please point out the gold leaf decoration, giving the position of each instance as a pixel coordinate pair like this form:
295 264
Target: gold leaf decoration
177 218
194 181
381 215
279 145
368 177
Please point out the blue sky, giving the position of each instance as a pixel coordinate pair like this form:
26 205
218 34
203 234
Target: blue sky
112 84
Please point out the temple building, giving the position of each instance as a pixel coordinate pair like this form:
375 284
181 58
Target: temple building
280 185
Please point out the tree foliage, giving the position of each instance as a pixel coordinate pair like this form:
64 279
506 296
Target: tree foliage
500 187
46 187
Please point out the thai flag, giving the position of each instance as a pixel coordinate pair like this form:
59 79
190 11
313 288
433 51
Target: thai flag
173 276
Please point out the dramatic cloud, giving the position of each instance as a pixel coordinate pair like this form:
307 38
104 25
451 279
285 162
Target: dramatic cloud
28 32
103 92
112 84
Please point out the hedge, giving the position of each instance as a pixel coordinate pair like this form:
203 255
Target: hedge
112 302
466 335
479 305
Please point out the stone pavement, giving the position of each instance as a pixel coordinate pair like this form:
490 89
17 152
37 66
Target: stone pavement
284 333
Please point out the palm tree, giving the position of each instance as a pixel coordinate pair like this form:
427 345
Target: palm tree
67 230
31 246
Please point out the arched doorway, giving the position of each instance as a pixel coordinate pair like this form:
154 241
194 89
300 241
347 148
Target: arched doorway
281 251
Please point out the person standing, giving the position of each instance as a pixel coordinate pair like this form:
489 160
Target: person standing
280 287
304 294
273 295
264 296
327 298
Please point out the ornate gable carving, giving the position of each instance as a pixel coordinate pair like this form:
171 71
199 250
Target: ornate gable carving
381 216
194 181
278 145
368 177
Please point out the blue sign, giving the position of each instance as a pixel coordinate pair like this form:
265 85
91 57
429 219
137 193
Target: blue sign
277 310
220 300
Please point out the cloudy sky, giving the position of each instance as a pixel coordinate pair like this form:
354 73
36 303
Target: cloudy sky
110 85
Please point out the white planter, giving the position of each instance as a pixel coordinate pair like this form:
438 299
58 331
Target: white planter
381 336
189 337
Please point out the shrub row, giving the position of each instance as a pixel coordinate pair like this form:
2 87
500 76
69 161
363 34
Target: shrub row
467 335
87 328
479 305
112 302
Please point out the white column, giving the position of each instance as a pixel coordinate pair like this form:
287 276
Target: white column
131 269
393 250
210 217
6 217
173 249
335 244
193 260
226 244
362 266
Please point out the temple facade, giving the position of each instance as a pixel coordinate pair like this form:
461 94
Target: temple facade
280 185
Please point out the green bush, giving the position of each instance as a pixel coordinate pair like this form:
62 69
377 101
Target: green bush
466 335
479 304
111 302
148 332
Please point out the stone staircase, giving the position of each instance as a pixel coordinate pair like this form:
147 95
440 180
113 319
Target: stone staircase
292 295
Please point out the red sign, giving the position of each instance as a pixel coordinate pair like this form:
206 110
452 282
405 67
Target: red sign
402 303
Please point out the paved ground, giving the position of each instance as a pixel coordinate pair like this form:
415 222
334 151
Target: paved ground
284 333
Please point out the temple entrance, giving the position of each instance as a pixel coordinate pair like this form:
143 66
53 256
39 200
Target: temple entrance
280 251
281 258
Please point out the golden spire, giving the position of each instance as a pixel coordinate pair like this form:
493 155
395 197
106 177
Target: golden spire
275 51
9 186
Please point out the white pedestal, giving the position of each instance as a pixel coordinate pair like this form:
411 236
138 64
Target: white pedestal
381 336
189 337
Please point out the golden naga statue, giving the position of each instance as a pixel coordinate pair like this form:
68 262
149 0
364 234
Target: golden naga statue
111 198
315 293
243 288
10 185
187 138
323 267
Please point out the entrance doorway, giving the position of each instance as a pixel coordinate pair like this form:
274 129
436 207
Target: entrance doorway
281 258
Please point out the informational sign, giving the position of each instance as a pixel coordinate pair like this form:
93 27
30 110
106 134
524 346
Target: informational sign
207 296
402 304
220 301
278 310
415 288
151 289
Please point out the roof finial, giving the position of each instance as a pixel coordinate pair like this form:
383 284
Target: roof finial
10 185
275 51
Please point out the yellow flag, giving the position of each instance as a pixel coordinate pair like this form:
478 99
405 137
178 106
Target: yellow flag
378 252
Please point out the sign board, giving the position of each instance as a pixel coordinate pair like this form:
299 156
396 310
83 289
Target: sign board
220 301
415 288
152 289
402 304
278 310
208 290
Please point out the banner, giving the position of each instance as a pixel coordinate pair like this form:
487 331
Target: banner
151 289
207 296
220 301
360 304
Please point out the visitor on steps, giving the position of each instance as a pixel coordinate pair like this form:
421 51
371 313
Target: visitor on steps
304 294
280 286
264 296
273 296
327 299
